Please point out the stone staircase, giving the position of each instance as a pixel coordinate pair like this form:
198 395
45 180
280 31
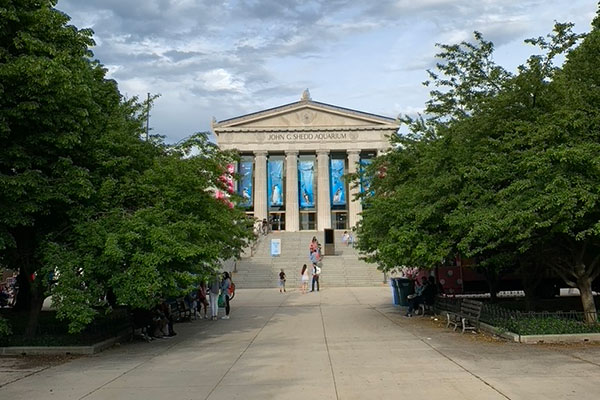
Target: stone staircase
258 269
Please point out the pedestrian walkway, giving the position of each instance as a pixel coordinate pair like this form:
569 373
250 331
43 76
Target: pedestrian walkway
339 343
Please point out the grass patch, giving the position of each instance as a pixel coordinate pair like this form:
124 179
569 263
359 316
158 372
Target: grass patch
547 326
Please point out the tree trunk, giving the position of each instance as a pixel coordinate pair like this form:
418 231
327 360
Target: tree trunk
37 300
587 299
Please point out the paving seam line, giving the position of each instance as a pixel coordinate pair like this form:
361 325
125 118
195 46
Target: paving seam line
238 358
448 358
129 370
25 376
328 353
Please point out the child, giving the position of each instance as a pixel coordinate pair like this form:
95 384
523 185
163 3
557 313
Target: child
282 281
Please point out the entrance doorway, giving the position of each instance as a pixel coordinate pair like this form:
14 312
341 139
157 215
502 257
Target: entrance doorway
339 220
277 221
308 220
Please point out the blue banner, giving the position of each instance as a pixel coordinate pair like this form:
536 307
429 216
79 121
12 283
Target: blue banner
365 181
306 176
275 183
245 186
337 187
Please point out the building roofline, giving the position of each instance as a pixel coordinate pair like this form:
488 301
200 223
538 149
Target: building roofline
296 104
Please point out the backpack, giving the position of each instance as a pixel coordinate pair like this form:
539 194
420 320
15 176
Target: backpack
231 288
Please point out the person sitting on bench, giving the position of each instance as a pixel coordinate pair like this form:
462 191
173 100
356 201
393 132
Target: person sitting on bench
427 295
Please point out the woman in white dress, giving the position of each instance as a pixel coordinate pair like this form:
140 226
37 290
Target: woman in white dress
304 279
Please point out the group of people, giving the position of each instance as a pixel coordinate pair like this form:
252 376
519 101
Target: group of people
218 291
348 239
158 322
261 227
314 251
425 293
305 276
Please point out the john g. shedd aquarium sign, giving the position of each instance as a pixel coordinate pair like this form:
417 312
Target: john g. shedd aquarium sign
282 137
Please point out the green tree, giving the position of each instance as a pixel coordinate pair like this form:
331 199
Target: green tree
47 108
88 210
504 170
149 237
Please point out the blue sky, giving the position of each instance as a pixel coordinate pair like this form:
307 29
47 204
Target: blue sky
225 58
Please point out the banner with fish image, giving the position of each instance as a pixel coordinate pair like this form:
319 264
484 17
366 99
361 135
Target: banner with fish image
306 176
275 183
337 186
365 181
245 186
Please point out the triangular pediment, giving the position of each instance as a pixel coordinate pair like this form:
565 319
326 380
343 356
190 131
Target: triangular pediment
305 114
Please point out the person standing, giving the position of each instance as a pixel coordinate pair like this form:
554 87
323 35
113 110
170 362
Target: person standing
202 301
316 271
225 285
213 289
281 281
165 308
304 279
345 238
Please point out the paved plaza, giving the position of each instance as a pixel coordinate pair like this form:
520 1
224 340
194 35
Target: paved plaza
340 343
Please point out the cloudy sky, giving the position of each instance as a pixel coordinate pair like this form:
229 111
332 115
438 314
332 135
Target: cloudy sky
226 58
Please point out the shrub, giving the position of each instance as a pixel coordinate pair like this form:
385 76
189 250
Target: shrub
547 326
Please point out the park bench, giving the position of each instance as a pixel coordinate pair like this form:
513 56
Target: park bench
468 316
181 310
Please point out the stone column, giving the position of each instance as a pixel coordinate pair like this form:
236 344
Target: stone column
292 218
323 202
354 206
260 185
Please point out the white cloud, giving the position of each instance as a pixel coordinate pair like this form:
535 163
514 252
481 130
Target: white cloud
230 57
219 79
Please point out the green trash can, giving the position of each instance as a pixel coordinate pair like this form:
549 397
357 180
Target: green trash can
405 287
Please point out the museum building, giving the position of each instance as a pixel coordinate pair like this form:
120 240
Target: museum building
293 159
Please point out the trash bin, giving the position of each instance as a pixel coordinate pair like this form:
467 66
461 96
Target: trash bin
395 292
405 287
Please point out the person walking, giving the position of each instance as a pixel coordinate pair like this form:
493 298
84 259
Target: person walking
304 279
281 281
225 285
316 271
213 290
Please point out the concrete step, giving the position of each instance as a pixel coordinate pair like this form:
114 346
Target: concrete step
342 269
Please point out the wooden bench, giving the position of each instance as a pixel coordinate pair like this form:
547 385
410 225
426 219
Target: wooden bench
468 317
184 312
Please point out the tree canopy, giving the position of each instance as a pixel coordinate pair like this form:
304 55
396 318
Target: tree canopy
89 211
504 168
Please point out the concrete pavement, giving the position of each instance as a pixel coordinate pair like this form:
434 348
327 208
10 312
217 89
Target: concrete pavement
340 343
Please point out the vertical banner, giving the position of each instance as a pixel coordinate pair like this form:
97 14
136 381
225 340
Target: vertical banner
337 186
306 176
275 183
365 181
245 187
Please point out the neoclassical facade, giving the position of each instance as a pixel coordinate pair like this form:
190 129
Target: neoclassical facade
294 159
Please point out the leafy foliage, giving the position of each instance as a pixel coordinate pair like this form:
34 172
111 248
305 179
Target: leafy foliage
548 326
504 169
90 212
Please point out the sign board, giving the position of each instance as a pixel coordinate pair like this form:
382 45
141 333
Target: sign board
275 247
